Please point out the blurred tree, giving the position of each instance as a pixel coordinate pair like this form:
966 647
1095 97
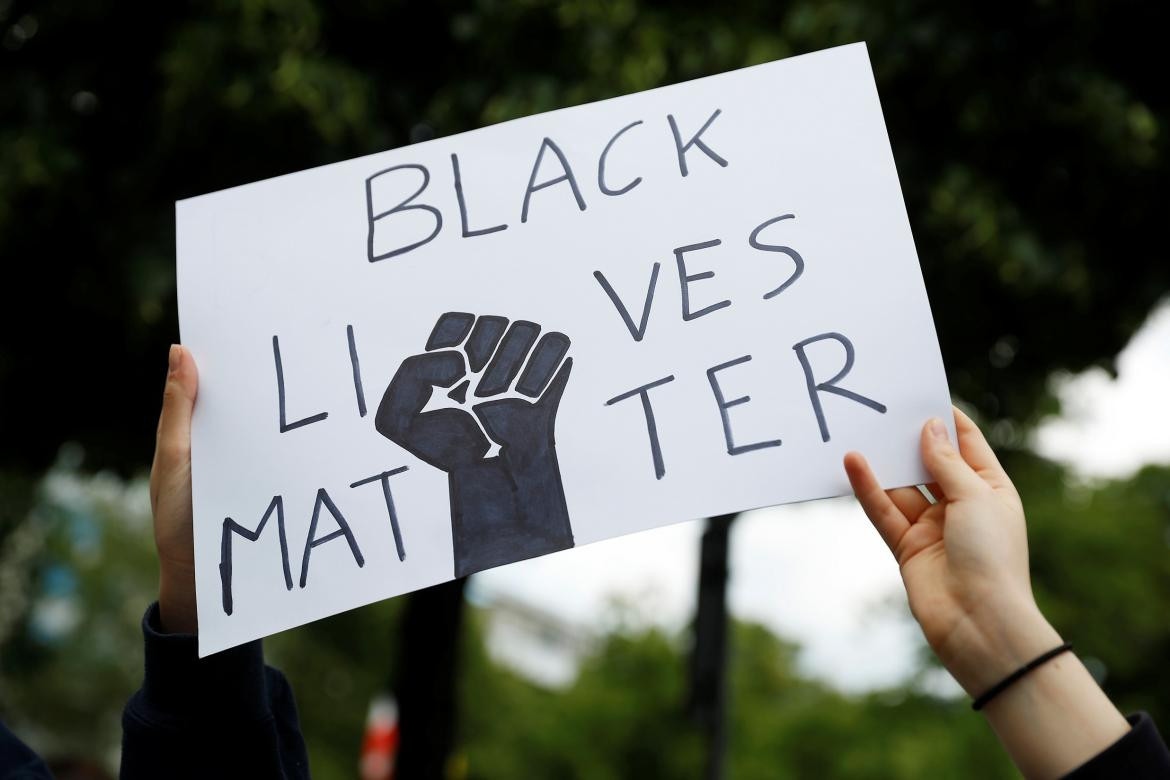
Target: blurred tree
1030 138
623 719
71 656
707 697
1101 565
71 653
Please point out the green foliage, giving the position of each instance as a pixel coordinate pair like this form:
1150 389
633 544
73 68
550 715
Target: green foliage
622 717
1031 147
336 666
1101 566
71 654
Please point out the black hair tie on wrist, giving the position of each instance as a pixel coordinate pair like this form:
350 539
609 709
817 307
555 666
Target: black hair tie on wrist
1000 686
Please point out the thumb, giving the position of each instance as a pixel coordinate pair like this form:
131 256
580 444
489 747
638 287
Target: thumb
946 465
173 445
410 390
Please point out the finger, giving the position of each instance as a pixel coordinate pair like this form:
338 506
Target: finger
552 396
910 501
957 479
173 440
450 330
544 361
889 521
977 452
483 340
509 357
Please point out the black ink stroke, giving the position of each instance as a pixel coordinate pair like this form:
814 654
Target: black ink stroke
643 392
723 404
230 527
285 425
830 385
637 332
696 140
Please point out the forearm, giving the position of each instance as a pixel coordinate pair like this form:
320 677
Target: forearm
202 717
1054 718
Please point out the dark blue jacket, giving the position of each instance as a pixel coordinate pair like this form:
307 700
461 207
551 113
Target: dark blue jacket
227 715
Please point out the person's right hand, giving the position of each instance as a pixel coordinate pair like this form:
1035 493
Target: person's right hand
964 559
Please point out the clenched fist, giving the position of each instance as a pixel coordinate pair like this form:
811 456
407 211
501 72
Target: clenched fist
494 436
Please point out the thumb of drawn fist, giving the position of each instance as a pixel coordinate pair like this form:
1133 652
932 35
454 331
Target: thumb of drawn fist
511 382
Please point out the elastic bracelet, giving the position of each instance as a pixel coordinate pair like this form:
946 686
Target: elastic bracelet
1000 686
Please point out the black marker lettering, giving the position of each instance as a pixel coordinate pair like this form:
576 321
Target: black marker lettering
637 331
342 530
724 405
829 386
601 164
384 478
230 526
548 143
755 243
406 205
467 231
357 372
684 281
285 426
651 427
696 140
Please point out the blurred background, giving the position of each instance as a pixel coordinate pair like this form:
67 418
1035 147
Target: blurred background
1033 143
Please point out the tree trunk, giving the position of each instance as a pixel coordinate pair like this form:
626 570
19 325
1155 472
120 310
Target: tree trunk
427 680
708 690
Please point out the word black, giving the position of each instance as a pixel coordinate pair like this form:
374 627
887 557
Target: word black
379 218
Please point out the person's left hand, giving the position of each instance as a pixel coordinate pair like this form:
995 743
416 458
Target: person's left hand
170 497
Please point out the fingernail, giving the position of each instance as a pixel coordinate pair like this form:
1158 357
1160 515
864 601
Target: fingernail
937 429
174 358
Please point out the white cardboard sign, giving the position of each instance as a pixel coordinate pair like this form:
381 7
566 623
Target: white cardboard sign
437 359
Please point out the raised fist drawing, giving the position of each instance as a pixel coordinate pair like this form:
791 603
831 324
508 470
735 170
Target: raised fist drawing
493 433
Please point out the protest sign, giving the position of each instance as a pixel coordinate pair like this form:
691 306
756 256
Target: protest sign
446 357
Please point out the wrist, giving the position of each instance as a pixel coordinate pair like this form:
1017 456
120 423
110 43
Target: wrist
991 643
176 602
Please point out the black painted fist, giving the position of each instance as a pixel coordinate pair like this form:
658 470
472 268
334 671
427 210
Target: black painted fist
508 505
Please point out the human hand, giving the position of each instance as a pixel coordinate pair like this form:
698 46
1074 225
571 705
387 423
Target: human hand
170 496
964 559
